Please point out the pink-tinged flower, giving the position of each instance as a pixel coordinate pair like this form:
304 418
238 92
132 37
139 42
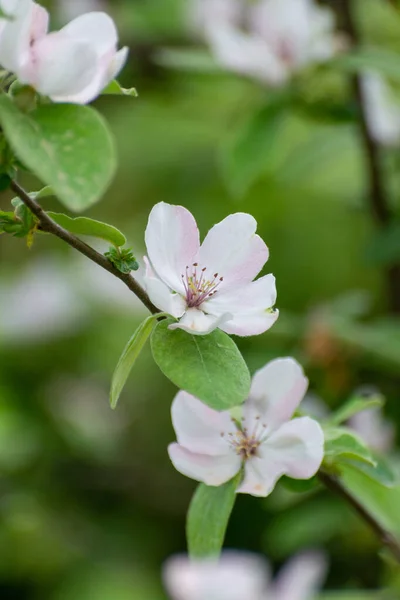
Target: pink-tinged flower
238 575
211 285
382 110
212 447
72 65
269 39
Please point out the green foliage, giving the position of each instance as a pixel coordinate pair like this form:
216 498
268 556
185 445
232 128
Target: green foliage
86 226
208 517
245 155
123 259
208 366
384 247
341 443
129 356
353 406
381 501
69 147
383 61
114 89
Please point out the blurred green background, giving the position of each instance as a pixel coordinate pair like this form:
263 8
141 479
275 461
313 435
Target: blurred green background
90 505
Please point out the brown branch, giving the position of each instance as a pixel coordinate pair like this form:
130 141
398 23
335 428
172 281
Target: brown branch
334 484
49 226
378 196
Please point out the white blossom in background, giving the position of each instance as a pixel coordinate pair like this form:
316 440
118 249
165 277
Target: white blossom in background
211 285
269 40
267 443
382 110
375 430
39 304
241 575
71 65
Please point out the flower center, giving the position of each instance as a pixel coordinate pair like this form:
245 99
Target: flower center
244 445
198 286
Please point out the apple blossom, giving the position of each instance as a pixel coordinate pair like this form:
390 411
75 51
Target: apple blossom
211 285
212 447
238 575
270 39
71 65
382 111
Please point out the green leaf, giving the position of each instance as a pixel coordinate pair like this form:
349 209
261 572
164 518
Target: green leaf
381 501
123 259
384 247
380 472
86 226
208 366
128 358
114 89
208 517
354 406
245 154
342 444
381 60
67 146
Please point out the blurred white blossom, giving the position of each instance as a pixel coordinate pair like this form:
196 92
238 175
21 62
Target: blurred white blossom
382 110
39 303
376 431
240 575
269 40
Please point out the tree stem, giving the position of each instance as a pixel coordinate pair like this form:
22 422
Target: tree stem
378 197
334 484
49 226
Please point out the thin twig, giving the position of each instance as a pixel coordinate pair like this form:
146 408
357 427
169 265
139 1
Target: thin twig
378 197
387 539
49 226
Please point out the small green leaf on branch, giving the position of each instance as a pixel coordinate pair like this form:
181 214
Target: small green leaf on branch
355 405
90 227
122 259
208 517
343 444
129 356
114 88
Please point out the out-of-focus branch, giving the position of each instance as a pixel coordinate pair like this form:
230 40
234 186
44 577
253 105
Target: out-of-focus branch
49 226
334 484
378 195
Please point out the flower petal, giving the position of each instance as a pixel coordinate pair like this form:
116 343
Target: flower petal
117 64
301 577
235 576
211 470
276 391
199 428
96 29
160 294
233 250
246 54
29 22
296 449
198 323
61 67
172 241
250 306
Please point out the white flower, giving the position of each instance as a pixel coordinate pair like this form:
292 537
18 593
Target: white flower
273 39
212 447
376 431
239 575
383 112
211 285
71 65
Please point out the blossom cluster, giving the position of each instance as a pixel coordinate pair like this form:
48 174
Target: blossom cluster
71 65
208 286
